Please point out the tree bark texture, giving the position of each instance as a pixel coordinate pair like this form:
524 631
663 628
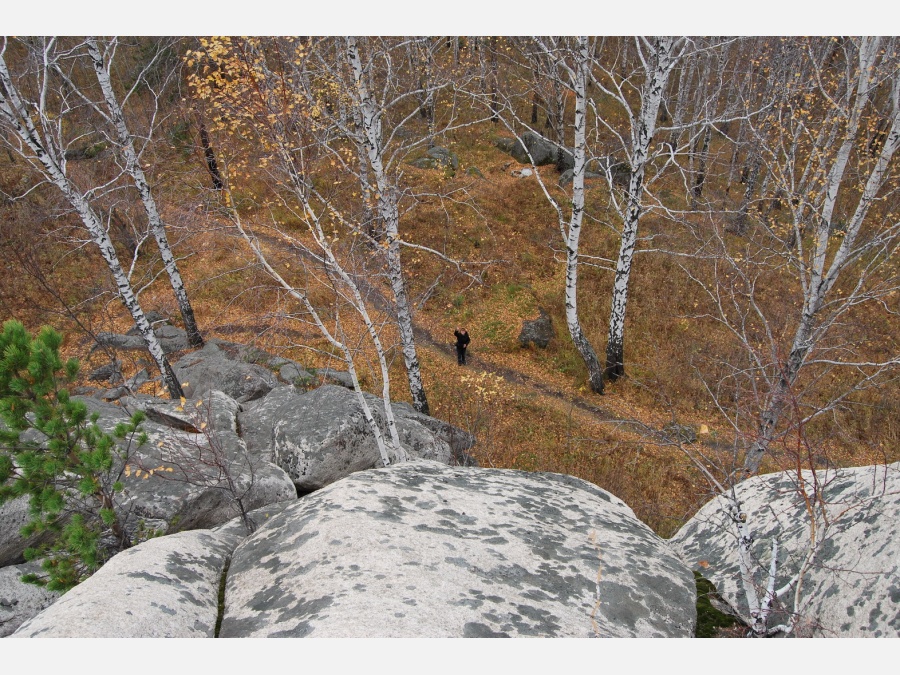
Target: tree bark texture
588 355
389 216
642 135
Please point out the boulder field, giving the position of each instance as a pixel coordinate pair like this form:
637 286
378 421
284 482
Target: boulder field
418 549
276 518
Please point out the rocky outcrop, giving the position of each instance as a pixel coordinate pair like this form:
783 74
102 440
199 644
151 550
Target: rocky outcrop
165 587
600 167
210 470
214 368
425 550
20 601
852 587
321 436
171 339
203 474
538 331
437 157
331 376
535 149
293 373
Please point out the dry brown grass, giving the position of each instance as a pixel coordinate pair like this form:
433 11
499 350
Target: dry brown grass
518 425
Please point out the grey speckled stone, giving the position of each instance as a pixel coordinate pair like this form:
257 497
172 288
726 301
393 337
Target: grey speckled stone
165 587
424 550
853 587
322 436
20 601
214 368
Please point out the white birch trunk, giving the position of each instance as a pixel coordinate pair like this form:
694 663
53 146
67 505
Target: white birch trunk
380 442
15 114
595 371
133 167
651 96
387 210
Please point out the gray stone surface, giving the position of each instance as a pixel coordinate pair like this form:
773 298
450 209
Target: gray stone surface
214 368
20 601
132 384
424 550
257 419
257 517
211 470
156 319
331 376
542 150
171 339
164 587
853 586
13 517
294 373
108 372
538 331
445 157
322 436
196 493
437 157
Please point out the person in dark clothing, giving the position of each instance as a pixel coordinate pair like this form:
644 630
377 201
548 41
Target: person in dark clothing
462 341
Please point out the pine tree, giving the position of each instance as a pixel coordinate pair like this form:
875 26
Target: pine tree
53 452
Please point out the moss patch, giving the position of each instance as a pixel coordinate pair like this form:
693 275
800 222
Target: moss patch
709 619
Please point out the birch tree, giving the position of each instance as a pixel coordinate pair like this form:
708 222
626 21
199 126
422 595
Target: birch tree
841 232
658 57
370 115
112 124
114 115
273 114
376 118
43 145
576 78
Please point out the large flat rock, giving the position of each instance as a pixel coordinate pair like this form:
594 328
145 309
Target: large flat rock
421 549
852 587
165 587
